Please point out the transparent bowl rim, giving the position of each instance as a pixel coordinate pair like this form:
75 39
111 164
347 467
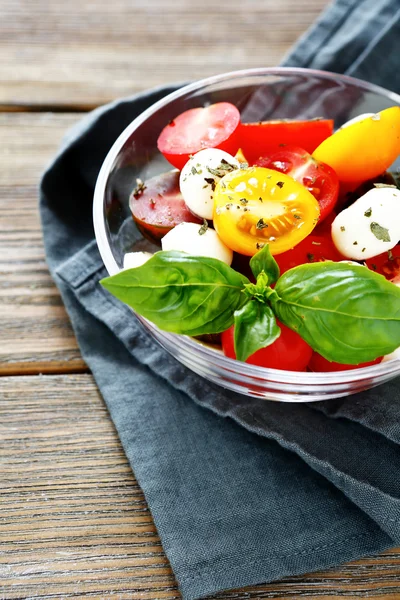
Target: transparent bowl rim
184 342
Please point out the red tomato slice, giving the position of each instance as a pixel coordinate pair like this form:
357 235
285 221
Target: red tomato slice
319 364
325 228
215 126
314 248
157 206
289 352
387 264
259 139
320 179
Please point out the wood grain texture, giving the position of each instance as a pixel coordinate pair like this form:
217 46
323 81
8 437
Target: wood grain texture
86 53
36 335
74 522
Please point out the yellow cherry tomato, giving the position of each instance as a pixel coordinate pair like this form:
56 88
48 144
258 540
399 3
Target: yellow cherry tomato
258 206
364 149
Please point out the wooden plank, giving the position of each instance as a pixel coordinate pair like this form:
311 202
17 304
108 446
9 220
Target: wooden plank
87 53
35 332
75 522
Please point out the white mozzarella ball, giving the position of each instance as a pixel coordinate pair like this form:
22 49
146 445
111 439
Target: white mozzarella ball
370 226
357 119
197 241
395 355
199 177
135 259
351 262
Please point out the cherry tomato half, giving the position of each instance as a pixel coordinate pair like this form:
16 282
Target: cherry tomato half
256 206
314 248
364 149
157 206
325 228
259 139
387 264
319 364
289 352
320 179
214 126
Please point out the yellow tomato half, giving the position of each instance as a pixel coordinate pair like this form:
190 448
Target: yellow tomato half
364 149
257 206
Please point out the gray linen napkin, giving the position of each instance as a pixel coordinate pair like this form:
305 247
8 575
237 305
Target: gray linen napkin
248 491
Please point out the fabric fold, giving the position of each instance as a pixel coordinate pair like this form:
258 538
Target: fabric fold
360 38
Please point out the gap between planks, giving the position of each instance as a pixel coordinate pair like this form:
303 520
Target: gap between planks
44 108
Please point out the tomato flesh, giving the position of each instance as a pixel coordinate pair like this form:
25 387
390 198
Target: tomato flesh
319 364
320 179
257 206
324 228
157 206
259 139
214 126
314 248
387 264
289 352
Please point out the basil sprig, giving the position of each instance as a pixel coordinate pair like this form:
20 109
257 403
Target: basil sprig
345 312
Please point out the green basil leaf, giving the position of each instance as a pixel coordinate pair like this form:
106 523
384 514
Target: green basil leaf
347 313
181 293
255 328
264 261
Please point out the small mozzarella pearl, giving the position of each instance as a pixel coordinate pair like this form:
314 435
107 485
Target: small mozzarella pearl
135 259
187 237
395 355
370 226
198 179
351 262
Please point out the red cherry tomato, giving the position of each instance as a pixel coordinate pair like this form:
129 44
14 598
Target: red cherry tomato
387 264
325 228
258 139
319 364
212 127
157 206
314 248
320 179
289 352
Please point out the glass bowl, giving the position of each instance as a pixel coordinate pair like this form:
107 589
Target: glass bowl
260 94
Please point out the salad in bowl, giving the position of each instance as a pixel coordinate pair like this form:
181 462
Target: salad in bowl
272 242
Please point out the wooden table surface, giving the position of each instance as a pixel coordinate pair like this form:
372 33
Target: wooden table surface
73 520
